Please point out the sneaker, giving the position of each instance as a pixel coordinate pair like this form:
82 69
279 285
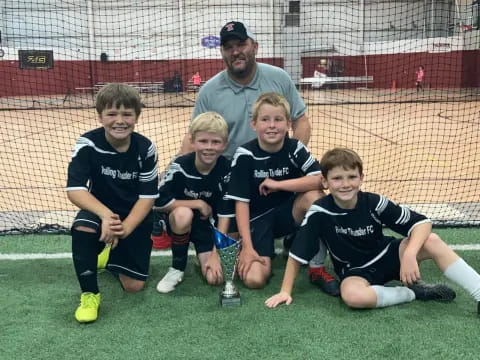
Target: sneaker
102 258
159 236
437 292
169 281
161 242
326 282
88 309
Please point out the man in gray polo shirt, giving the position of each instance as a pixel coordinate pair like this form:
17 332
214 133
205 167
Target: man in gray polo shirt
233 91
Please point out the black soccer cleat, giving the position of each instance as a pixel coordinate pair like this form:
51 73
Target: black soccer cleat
436 292
478 308
326 282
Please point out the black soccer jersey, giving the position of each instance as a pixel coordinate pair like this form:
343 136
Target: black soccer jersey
354 237
117 179
182 181
251 166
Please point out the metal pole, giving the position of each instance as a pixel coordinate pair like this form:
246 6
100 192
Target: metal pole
91 41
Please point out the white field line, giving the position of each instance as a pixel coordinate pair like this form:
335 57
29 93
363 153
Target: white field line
39 256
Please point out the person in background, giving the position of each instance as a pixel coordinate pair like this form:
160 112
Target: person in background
420 77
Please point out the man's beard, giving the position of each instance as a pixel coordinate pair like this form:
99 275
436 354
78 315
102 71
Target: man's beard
244 72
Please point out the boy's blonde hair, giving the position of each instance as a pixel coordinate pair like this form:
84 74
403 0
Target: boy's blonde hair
211 122
271 98
346 158
114 95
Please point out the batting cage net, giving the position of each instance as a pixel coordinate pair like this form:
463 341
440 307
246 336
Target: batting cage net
397 81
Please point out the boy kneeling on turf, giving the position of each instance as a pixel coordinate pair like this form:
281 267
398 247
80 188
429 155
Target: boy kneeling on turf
274 181
113 179
191 192
350 221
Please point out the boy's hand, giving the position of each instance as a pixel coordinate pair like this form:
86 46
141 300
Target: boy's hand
213 267
245 259
281 297
205 209
112 230
268 186
409 270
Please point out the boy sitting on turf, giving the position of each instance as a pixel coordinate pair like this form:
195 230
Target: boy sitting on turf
191 192
274 181
350 221
112 178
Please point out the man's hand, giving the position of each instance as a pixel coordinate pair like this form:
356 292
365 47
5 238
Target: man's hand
245 259
280 298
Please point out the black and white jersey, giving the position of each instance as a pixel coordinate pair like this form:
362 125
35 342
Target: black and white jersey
251 166
354 237
116 179
182 181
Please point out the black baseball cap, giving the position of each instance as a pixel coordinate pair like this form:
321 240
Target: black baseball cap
234 29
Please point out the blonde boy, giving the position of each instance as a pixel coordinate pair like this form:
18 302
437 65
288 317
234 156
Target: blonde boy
191 192
274 181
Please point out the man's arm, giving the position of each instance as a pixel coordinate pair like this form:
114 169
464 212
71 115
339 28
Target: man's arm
302 129
186 145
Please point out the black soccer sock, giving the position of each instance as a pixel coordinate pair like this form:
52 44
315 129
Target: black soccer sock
85 247
180 244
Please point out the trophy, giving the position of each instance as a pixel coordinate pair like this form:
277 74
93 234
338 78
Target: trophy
228 249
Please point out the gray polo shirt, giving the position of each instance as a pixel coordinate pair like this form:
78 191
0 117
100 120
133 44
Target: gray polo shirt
234 101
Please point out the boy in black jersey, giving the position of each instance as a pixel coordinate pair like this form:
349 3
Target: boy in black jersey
191 192
350 222
274 181
112 178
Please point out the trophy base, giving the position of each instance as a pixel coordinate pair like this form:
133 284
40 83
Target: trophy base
230 301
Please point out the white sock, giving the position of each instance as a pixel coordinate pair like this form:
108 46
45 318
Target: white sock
319 259
464 275
388 296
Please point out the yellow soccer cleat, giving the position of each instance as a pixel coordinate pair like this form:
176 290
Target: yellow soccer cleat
88 309
103 257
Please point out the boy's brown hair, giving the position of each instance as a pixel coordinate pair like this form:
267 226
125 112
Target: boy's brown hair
346 158
271 98
114 95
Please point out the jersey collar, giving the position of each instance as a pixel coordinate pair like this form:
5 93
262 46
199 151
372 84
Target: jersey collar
236 87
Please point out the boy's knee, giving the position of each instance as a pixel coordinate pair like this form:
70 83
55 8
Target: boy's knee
132 285
84 229
433 243
255 281
181 217
352 296
352 299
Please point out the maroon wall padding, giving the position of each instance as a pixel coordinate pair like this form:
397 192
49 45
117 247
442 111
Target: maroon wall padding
456 69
